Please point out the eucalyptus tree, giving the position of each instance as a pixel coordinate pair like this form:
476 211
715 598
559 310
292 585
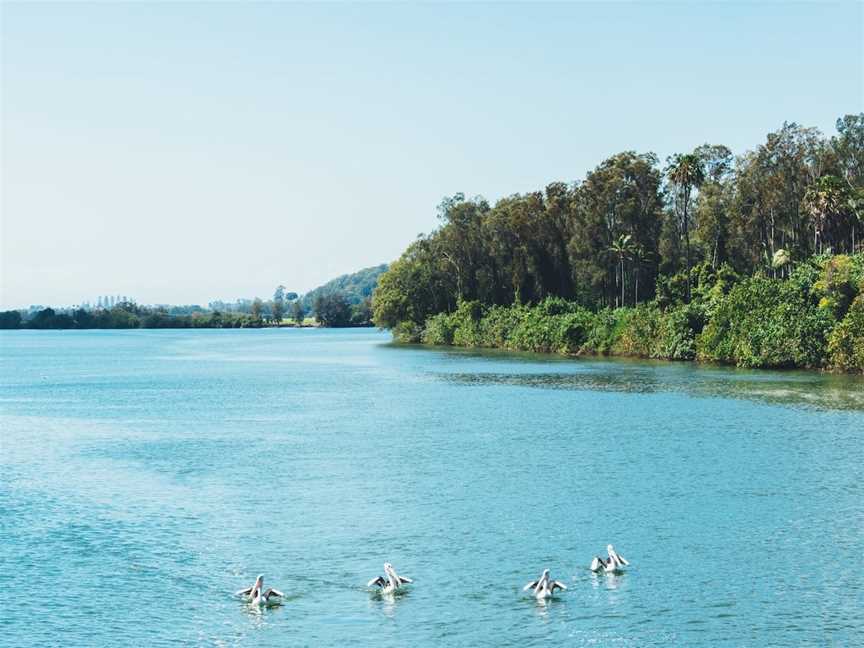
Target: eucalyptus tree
459 241
771 182
619 197
526 239
257 308
417 285
279 304
848 146
713 203
333 310
298 313
686 173
829 203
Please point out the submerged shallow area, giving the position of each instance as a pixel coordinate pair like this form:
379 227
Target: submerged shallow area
175 466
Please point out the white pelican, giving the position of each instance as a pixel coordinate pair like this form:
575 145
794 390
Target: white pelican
544 587
257 595
390 582
615 562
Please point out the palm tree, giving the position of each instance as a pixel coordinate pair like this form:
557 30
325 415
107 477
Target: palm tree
827 201
686 173
781 260
622 247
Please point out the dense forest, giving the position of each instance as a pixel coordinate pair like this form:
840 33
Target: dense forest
754 260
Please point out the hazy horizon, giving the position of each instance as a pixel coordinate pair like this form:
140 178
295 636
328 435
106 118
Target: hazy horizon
185 153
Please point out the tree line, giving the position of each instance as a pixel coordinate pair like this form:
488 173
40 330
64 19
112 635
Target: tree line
637 232
342 302
330 310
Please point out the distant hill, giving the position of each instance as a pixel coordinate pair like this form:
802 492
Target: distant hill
355 287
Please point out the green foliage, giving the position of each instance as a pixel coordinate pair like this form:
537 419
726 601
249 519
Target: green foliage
466 324
333 310
278 306
298 313
757 322
765 322
606 329
638 332
846 342
676 335
842 278
671 290
407 331
354 288
498 324
361 314
711 290
411 290
10 319
439 330
553 326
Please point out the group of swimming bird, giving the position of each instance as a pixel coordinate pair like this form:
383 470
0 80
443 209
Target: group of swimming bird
543 588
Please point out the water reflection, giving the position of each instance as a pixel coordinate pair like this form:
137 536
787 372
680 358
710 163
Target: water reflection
542 607
775 388
386 601
607 581
258 615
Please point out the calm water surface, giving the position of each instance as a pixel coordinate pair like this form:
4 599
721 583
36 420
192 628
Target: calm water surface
147 475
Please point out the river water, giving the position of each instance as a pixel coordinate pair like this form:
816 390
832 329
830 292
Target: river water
147 475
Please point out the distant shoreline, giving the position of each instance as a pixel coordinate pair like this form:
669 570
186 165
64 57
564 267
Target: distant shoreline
186 328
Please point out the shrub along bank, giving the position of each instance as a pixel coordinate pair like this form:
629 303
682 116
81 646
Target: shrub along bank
812 318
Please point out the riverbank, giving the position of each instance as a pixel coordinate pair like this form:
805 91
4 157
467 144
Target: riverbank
813 319
129 316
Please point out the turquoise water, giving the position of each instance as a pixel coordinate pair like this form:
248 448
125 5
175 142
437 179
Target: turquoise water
147 475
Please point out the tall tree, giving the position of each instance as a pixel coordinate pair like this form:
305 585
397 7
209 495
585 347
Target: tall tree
279 304
686 174
333 310
848 146
257 308
623 248
714 200
829 204
298 313
770 185
621 196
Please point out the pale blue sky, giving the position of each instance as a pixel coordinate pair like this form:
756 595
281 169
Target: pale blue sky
187 152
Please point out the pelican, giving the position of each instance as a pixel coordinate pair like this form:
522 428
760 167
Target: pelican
615 562
544 587
390 582
257 595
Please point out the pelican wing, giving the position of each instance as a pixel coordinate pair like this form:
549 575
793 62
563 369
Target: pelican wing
559 585
379 581
403 580
622 559
530 585
244 592
272 592
596 564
